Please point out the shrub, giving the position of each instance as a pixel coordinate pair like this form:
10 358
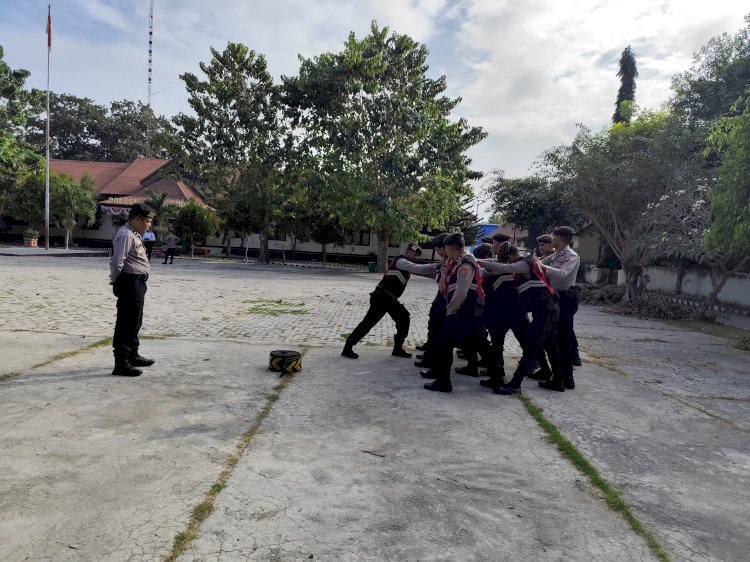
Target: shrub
601 294
30 233
743 343
655 305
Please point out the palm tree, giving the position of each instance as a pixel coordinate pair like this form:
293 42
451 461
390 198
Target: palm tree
157 201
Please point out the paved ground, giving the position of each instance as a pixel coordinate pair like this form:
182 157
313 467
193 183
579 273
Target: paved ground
355 461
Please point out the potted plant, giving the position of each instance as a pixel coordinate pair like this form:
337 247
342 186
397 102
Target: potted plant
30 237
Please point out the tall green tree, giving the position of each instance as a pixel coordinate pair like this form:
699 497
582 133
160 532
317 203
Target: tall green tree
72 203
132 130
236 140
611 177
17 106
76 128
718 77
626 94
388 154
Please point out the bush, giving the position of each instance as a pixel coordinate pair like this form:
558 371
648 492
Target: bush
601 294
655 305
743 343
30 233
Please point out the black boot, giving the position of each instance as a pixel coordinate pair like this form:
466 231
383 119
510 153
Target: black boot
439 385
429 374
541 375
349 352
125 369
493 382
552 385
400 352
137 360
468 370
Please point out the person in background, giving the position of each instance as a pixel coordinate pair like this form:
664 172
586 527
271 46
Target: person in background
171 242
149 238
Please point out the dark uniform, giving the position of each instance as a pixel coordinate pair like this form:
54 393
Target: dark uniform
384 300
540 299
129 269
463 322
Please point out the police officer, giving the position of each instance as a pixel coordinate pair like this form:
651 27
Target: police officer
463 322
497 239
544 245
539 298
128 272
436 315
561 269
384 300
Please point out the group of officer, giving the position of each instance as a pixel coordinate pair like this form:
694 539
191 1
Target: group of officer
480 298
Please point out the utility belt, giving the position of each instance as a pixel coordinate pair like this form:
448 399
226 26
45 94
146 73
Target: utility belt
379 289
134 276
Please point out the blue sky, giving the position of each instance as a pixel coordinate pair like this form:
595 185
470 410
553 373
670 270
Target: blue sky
527 70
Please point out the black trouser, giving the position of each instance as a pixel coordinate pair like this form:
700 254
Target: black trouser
541 334
381 303
130 291
566 338
149 245
460 329
519 325
435 321
169 254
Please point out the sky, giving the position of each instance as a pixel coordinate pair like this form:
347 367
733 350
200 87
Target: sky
527 71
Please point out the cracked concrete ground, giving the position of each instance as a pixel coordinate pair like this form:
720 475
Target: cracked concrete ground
355 460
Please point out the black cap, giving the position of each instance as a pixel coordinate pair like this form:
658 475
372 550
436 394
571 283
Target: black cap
414 248
455 239
483 251
487 240
439 240
141 210
546 238
564 231
500 237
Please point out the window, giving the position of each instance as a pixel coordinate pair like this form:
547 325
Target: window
361 238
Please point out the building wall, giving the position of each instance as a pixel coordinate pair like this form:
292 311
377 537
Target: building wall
698 282
587 247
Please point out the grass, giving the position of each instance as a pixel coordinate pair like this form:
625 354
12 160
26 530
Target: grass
710 328
270 307
610 495
201 511
63 355
743 343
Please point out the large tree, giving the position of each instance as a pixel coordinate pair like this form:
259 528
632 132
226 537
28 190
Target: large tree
626 94
388 154
718 77
195 223
132 130
611 177
236 140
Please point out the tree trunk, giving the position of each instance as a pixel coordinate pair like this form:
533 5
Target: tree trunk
228 247
383 239
247 245
323 254
680 276
633 281
263 256
67 237
719 276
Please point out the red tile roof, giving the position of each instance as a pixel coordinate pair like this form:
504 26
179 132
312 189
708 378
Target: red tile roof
124 183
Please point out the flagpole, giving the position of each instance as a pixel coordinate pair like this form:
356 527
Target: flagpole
46 176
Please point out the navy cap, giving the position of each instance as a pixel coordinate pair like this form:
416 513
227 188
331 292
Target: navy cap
564 231
414 248
546 238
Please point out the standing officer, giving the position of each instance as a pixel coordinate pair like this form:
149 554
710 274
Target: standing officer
463 322
436 315
544 245
384 300
128 272
561 269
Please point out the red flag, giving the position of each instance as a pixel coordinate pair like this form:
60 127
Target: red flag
49 27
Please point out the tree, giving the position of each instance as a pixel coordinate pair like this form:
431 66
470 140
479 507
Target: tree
611 177
166 213
17 105
76 128
194 222
718 77
132 130
237 139
70 202
380 136
626 94
531 202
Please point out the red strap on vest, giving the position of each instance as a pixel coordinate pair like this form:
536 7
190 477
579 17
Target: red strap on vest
539 272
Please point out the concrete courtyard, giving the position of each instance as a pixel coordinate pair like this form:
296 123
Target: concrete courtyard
347 460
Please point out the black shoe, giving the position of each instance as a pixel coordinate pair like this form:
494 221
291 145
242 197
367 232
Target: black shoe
576 361
126 371
423 364
348 352
422 347
540 375
493 382
467 371
569 383
164 263
140 361
400 352
439 386
506 389
428 374
551 385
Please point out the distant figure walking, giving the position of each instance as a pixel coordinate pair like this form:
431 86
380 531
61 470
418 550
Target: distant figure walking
171 241
149 238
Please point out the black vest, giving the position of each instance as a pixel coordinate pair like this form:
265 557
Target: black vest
531 288
470 304
394 281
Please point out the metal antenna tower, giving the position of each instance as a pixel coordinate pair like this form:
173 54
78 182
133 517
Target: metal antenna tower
150 61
